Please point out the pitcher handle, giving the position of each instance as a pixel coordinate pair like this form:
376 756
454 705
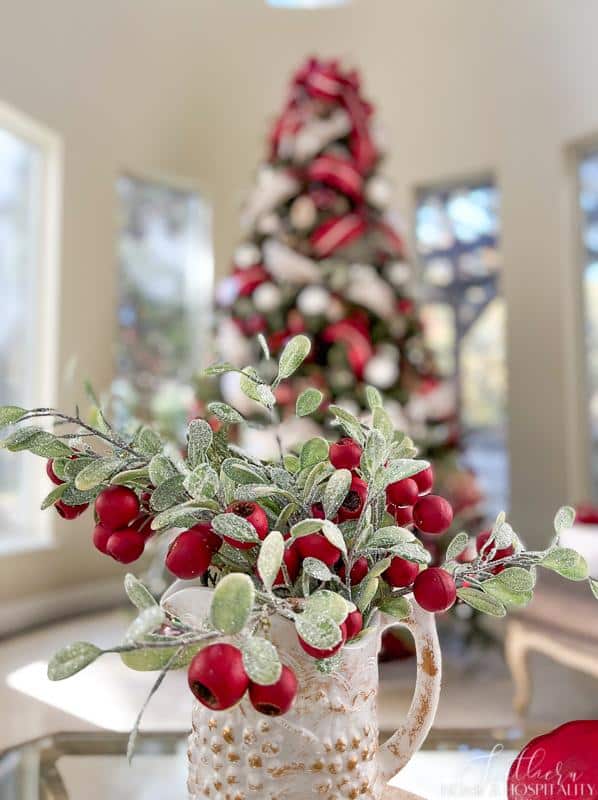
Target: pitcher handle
407 740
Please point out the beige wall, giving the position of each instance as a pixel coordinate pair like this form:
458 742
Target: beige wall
186 87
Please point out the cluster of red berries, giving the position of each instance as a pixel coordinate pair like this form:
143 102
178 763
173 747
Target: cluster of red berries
218 679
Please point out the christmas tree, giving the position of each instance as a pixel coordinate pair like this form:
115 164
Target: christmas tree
320 256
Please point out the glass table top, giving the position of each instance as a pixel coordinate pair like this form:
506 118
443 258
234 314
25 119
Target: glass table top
92 766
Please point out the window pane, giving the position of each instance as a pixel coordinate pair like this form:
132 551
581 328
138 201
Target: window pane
164 298
457 232
21 165
588 179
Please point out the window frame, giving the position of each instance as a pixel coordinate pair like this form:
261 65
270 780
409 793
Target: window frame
47 275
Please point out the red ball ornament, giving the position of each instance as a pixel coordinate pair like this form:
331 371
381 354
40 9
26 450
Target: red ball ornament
424 480
255 515
353 503
401 572
190 554
277 698
317 653
51 474
433 514
480 543
69 512
292 562
402 493
435 589
117 506
125 545
358 571
354 624
217 676
100 538
316 545
345 454
403 515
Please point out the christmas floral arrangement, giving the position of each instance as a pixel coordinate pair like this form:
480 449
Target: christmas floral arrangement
317 536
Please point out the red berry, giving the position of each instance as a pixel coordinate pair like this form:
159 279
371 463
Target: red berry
317 511
217 676
358 571
117 506
292 561
100 538
481 540
255 515
51 474
424 480
401 572
316 545
125 545
190 554
403 515
435 589
402 493
277 698
353 503
354 623
433 514
345 454
317 653
69 512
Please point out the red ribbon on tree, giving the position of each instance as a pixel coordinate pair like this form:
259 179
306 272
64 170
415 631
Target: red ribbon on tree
353 333
337 232
249 279
339 173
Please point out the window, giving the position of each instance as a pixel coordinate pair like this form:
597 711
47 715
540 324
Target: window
165 287
28 258
588 200
457 230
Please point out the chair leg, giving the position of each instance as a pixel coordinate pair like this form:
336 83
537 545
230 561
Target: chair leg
516 657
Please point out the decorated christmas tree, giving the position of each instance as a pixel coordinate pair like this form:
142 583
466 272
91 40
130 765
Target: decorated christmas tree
320 256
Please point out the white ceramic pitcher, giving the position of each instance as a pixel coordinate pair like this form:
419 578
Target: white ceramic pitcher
327 746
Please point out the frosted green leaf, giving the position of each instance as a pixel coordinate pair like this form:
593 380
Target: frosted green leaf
242 472
349 423
387 537
220 369
261 661
379 567
284 516
19 440
457 546
373 398
398 470
160 469
515 578
155 658
169 493
53 496
320 632
328 666
308 402
327 604
138 593
234 558
202 482
482 602
334 535
594 587
270 558
199 440
412 551
260 392
72 659
305 527
316 475
508 596
398 607
293 355
566 562
149 620
37 441
184 515
314 451
503 535
336 491
292 463
253 491
382 422
10 414
232 603
135 477
96 473
226 413
264 345
235 527
564 519
316 569
374 454
367 591
148 441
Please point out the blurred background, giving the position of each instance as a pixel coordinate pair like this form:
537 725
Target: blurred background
130 136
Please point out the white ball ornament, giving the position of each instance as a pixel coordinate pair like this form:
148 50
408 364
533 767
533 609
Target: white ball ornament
382 370
303 213
266 297
313 300
246 255
378 192
398 272
227 291
269 224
